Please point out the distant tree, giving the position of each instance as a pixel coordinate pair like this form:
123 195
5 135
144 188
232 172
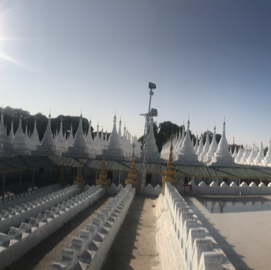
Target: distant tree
265 150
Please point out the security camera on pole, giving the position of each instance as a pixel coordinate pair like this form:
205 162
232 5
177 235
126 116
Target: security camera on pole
143 167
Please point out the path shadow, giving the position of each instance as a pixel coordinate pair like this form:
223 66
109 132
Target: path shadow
121 251
232 255
37 253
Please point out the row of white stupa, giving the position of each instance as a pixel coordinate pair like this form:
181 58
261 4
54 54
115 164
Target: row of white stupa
117 146
213 154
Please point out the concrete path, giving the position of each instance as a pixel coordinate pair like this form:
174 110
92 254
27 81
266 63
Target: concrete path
243 236
135 244
40 257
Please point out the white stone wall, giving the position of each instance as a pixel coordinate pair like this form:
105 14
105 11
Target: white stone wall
199 249
27 196
13 216
19 240
150 190
232 189
89 250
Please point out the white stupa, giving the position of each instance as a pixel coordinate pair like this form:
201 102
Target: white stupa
48 143
61 142
114 149
21 141
205 148
200 147
90 142
4 143
245 156
196 144
260 157
34 141
239 156
234 155
70 139
222 156
267 159
79 148
187 154
253 154
9 147
152 151
212 149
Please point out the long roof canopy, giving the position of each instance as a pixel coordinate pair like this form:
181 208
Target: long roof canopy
19 163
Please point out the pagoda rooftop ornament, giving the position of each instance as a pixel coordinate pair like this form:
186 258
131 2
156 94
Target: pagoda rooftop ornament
170 173
132 174
102 180
79 180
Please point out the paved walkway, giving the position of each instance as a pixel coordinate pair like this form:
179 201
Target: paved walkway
40 257
135 244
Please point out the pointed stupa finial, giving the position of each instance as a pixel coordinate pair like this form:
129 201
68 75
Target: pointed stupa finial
102 180
132 174
50 113
170 173
233 140
224 123
79 180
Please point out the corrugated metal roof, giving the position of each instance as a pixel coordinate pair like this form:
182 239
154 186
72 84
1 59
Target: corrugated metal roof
9 164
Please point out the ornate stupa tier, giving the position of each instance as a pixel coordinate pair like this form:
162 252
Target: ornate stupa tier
114 150
170 173
79 148
222 156
187 154
102 180
48 144
132 174
212 149
21 141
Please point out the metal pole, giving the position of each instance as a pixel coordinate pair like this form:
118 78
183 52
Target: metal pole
145 148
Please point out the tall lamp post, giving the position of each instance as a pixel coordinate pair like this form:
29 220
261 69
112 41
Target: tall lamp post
143 167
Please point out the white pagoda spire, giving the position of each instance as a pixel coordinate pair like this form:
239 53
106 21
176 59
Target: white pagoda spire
79 148
34 140
267 160
212 149
222 156
187 154
61 142
114 150
3 137
152 151
21 141
260 157
90 142
70 140
48 144
205 148
196 144
253 154
200 147
239 156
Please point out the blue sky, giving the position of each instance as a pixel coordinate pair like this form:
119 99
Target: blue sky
209 59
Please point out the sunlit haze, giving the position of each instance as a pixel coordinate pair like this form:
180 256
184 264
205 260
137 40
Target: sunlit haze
208 59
